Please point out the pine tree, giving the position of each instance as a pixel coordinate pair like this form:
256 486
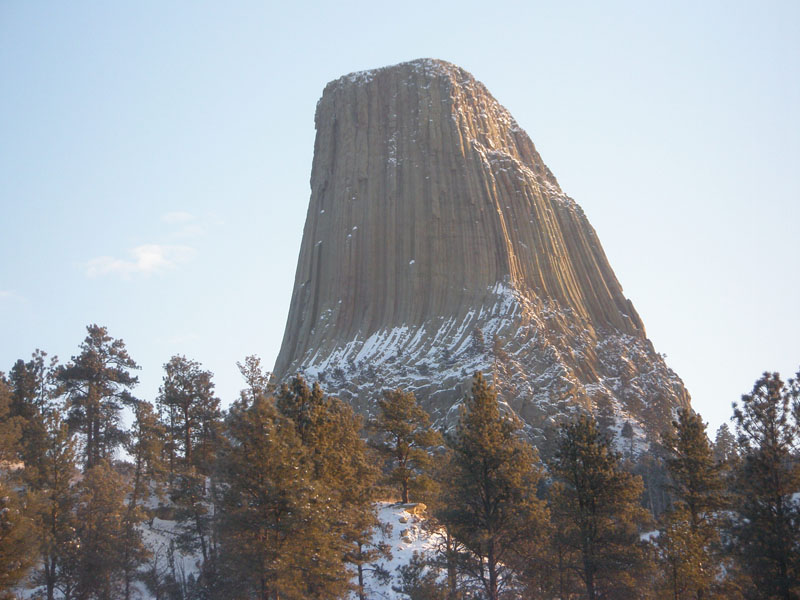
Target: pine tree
33 389
33 384
145 447
725 452
97 383
689 540
56 508
110 543
278 536
419 581
494 504
257 380
17 539
187 395
447 553
193 420
17 529
682 558
767 530
10 429
628 433
330 432
405 440
562 558
596 512
364 550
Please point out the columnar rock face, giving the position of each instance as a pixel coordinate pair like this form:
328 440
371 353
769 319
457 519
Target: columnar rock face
437 243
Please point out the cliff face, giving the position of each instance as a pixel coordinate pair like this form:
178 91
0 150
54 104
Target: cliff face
438 243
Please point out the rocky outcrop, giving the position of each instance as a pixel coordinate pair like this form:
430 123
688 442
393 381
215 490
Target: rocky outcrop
438 243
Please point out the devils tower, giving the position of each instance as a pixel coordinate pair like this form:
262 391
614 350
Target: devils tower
437 243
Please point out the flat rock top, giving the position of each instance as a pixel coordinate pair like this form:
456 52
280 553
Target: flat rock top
426 66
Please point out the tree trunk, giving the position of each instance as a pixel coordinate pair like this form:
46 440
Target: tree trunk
90 440
187 437
782 566
492 565
588 570
50 576
361 594
674 581
194 502
137 478
452 575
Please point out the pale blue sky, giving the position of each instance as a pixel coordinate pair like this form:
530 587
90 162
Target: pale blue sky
155 158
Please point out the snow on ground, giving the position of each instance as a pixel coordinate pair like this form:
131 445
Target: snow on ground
407 536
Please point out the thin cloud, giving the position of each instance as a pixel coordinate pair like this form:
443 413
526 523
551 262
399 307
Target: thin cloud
144 260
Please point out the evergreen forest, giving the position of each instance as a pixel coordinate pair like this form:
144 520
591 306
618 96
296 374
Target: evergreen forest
274 494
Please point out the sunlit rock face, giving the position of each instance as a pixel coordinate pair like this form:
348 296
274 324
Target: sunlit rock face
438 243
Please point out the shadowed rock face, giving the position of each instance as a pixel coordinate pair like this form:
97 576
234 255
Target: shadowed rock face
438 243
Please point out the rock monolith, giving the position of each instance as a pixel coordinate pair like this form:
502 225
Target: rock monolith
438 243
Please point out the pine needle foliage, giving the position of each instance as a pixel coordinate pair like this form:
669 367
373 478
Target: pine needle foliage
192 419
597 513
17 538
767 530
689 543
97 383
277 533
34 388
329 430
55 508
494 508
725 451
405 439
109 544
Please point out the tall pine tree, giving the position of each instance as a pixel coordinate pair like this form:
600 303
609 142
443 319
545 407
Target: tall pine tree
145 445
767 530
17 539
192 419
10 429
689 540
256 379
33 389
597 514
725 452
17 529
329 430
110 544
192 412
56 508
405 440
280 536
494 507
97 383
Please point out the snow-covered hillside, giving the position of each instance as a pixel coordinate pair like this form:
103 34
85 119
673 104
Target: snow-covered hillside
405 536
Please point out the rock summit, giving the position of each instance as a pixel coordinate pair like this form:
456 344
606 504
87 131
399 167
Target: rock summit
438 243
